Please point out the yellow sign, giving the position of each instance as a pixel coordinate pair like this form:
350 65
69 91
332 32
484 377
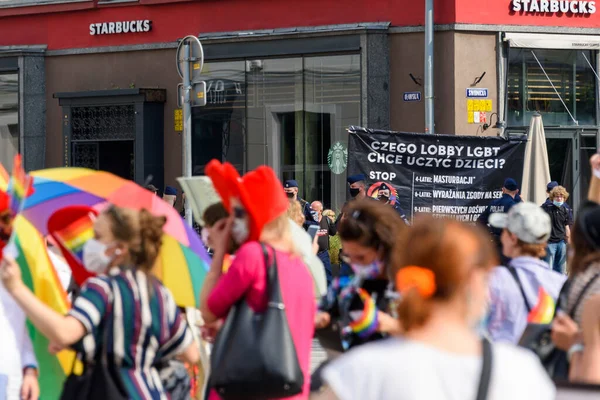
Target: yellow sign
200 95
178 120
477 109
196 65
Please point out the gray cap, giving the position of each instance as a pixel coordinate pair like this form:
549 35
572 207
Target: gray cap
526 220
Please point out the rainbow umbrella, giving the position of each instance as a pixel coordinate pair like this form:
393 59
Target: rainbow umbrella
183 260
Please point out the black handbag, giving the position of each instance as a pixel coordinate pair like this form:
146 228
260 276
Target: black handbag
254 356
538 337
100 379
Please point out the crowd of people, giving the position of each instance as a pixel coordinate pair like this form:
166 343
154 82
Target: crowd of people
422 309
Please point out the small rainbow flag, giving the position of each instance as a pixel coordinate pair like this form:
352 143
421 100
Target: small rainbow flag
227 261
74 236
4 178
366 325
40 276
21 185
543 312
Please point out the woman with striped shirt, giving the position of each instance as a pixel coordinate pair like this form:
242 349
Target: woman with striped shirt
129 307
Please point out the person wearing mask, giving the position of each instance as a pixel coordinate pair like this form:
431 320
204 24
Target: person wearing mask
510 190
369 235
291 189
358 190
126 245
517 288
252 223
326 228
170 195
549 187
584 282
18 364
557 244
443 267
358 186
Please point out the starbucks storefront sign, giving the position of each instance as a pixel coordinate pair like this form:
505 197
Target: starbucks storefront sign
554 6
111 28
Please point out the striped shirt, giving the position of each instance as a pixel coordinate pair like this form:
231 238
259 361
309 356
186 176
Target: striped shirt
141 323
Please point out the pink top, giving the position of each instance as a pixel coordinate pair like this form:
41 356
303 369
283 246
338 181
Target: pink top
247 277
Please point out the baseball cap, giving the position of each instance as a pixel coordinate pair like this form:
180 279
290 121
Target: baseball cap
290 184
510 184
170 191
526 220
356 178
551 185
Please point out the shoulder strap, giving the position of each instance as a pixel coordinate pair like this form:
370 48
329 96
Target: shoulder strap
582 294
273 288
486 371
514 274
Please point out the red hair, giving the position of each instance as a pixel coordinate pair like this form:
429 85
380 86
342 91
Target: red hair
447 248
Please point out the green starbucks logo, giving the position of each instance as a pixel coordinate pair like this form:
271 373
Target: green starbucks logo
337 159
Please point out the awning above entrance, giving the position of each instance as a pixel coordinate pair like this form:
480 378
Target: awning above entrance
552 41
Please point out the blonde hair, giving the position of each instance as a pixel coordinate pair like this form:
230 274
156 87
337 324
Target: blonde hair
279 230
329 213
142 232
294 212
537 250
558 191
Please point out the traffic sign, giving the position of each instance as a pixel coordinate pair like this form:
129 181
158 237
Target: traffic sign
198 95
195 62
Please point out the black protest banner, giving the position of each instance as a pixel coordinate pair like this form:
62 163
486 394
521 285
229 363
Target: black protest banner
450 176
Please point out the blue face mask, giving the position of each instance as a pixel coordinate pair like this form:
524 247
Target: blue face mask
558 203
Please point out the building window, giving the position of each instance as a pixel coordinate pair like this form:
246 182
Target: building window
9 118
282 112
529 90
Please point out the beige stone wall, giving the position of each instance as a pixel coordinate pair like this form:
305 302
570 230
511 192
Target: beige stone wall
474 53
460 58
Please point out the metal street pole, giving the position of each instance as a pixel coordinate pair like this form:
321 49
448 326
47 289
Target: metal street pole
187 126
429 120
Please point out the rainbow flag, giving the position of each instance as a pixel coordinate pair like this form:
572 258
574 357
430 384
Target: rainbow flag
75 235
543 312
4 178
40 276
366 325
227 261
20 185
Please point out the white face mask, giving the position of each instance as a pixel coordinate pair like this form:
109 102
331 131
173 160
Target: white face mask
239 231
94 257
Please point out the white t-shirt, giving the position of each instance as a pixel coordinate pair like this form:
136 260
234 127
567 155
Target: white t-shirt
400 369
